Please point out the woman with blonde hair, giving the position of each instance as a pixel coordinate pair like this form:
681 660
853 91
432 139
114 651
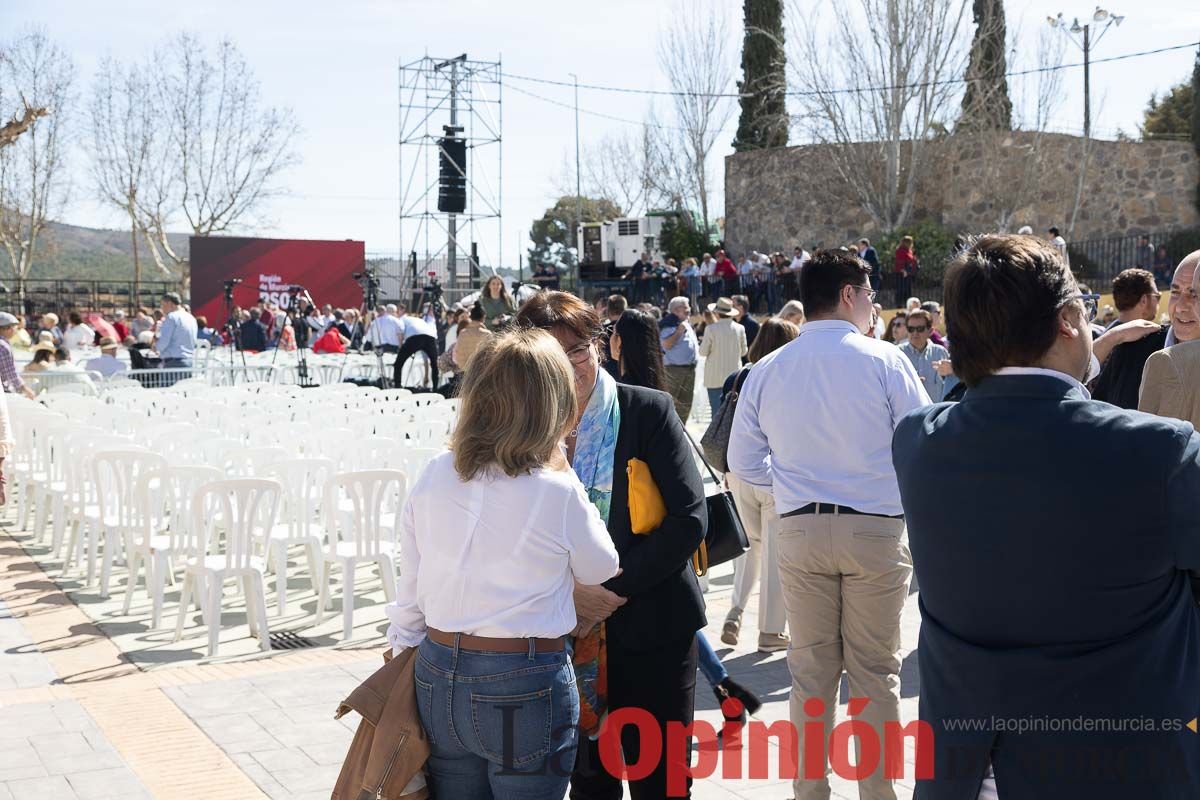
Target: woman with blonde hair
498 305
494 538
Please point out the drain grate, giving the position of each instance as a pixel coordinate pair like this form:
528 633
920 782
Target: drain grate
289 640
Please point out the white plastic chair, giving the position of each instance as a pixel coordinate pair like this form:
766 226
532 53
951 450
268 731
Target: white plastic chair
304 481
51 490
245 508
116 474
429 433
163 530
246 462
359 534
81 504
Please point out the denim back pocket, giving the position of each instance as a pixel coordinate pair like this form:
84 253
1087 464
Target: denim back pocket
425 707
513 730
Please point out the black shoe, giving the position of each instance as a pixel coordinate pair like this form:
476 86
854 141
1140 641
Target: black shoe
729 688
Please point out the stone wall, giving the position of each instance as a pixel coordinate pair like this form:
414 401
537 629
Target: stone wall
775 199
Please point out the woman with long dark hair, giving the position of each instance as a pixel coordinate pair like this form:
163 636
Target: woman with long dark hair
635 347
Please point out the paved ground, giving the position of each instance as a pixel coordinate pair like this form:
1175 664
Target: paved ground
93 704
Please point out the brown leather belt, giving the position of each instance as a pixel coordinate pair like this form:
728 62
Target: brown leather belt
489 644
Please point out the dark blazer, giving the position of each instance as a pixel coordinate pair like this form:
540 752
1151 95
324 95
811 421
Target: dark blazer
1121 379
1050 589
665 603
254 335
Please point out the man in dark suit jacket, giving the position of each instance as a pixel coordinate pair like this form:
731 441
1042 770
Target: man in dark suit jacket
1053 596
253 333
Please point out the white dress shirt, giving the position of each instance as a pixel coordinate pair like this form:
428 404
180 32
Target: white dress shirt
496 556
815 420
418 326
1051 373
385 330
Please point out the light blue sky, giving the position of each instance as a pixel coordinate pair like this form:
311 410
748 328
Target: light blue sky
335 64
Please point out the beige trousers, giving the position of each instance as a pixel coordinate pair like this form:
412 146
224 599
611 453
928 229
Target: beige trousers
756 507
845 579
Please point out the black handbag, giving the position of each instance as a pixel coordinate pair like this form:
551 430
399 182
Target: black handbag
715 440
726 538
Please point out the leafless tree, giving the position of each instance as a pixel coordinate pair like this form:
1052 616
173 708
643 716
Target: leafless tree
878 85
36 74
225 150
125 144
695 54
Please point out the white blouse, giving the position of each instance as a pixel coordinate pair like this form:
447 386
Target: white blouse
496 556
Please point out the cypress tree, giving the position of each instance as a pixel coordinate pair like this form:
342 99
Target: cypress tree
1196 117
764 120
986 105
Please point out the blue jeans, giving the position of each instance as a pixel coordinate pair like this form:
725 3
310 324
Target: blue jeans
714 399
710 665
500 725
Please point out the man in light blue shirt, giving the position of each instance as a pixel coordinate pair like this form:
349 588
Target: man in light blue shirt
679 354
814 423
928 358
177 334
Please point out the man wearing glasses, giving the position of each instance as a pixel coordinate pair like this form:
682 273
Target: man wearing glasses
926 355
814 425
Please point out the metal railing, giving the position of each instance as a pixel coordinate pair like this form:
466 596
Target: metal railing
35 296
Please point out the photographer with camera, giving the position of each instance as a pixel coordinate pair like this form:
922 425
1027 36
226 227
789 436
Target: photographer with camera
419 336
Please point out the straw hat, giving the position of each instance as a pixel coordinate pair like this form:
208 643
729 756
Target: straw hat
47 347
723 307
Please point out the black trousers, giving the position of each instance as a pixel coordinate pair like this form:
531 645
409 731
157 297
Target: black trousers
661 681
412 345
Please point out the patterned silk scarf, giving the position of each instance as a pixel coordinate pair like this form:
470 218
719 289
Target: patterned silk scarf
595 446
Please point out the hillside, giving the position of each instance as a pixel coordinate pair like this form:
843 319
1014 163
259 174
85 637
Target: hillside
71 251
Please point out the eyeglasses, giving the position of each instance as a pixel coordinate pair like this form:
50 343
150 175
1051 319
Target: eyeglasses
1089 304
869 291
580 353
911 329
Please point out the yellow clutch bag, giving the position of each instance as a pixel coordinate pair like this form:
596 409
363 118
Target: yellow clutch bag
646 507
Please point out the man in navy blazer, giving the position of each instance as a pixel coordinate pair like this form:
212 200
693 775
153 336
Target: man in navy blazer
1060 643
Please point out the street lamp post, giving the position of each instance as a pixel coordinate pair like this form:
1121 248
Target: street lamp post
1102 19
578 192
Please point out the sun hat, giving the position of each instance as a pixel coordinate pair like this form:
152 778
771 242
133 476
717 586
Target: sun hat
723 307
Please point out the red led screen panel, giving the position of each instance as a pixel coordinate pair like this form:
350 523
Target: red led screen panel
268 267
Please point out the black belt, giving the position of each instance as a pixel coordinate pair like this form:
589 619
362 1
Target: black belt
833 508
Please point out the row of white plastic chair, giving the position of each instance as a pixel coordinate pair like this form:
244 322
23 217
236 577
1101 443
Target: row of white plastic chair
65 469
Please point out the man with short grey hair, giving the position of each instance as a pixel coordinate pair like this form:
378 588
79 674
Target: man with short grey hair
386 331
679 354
176 335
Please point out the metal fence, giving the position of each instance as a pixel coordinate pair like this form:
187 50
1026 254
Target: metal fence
36 296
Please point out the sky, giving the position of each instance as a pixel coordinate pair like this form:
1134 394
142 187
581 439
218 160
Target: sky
335 65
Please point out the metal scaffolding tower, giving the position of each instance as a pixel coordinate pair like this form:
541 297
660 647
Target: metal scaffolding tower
450 100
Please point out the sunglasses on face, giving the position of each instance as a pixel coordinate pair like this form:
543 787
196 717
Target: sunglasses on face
911 329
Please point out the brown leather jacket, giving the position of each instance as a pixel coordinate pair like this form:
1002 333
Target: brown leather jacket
389 749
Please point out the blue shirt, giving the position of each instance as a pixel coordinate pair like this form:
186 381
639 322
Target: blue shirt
815 418
935 384
683 354
177 335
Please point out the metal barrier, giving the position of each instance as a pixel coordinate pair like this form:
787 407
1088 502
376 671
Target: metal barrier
80 381
158 378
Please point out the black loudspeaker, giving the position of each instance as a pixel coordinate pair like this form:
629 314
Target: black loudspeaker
452 176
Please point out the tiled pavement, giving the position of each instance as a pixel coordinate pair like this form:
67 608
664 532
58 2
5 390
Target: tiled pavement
84 716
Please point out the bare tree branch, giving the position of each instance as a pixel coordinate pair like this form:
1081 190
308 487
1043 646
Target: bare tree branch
33 187
879 93
694 52
226 148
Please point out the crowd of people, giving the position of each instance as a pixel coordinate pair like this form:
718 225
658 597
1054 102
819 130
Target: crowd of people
1040 599
538 597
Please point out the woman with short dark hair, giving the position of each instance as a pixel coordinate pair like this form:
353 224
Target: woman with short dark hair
640 627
